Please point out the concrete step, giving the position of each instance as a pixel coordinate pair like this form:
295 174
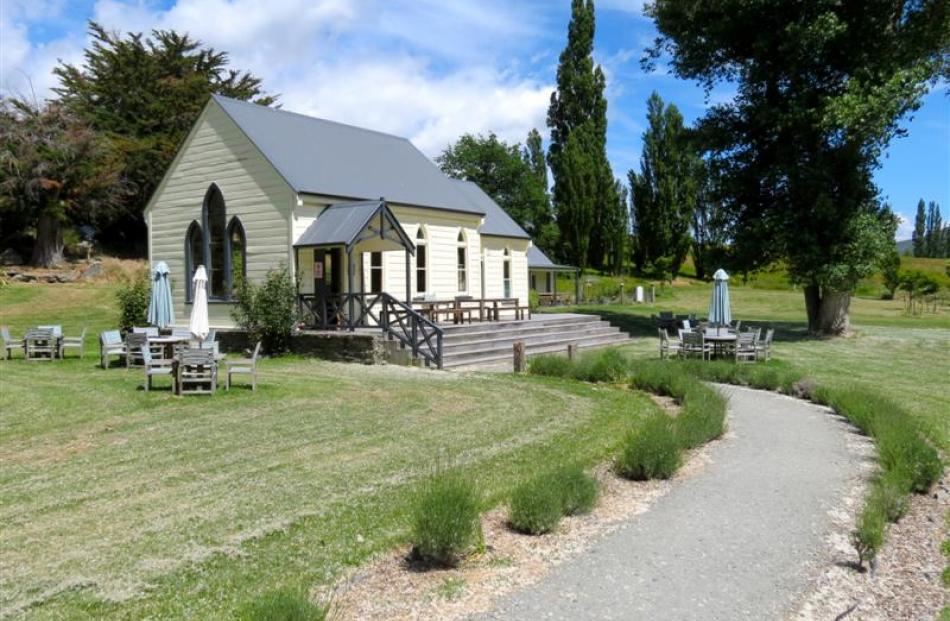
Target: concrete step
505 340
500 355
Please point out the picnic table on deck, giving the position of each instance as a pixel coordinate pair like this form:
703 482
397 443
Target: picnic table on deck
488 308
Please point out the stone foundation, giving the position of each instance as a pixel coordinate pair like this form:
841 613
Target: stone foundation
362 347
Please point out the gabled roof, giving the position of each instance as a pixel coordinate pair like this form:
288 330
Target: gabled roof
540 261
346 223
322 157
497 221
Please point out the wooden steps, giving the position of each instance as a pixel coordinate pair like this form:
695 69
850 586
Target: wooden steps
490 343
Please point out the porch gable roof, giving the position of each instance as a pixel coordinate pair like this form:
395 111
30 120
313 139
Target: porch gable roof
346 224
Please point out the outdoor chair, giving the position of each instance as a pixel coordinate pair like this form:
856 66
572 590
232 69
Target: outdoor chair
10 343
134 342
247 366
763 347
110 343
147 331
669 347
181 333
75 342
40 344
154 366
57 331
694 344
209 340
197 372
745 347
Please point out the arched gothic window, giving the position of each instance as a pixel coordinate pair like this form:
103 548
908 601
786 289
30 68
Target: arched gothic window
218 245
237 254
194 256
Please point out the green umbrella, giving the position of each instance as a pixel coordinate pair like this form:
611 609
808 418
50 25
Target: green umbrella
161 312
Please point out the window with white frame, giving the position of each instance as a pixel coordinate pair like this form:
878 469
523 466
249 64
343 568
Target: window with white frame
421 261
462 261
506 272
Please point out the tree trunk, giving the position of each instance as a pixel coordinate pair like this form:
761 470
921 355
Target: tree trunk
827 310
48 248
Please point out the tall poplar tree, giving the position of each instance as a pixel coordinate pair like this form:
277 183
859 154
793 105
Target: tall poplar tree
919 237
583 181
665 189
934 236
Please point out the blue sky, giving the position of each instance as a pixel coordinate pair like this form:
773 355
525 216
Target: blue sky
430 69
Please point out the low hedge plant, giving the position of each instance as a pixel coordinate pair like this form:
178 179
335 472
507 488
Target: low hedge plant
651 452
446 518
537 505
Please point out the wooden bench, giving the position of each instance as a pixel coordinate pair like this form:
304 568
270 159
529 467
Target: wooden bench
457 315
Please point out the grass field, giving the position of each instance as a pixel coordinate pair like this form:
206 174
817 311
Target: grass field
123 505
902 356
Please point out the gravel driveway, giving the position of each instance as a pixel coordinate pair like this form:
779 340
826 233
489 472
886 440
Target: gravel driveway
738 541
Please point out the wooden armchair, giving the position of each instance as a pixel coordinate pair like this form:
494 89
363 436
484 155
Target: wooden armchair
246 366
669 347
110 344
9 343
154 366
75 342
40 344
197 372
745 347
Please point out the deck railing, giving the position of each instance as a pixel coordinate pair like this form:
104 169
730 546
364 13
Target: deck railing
398 320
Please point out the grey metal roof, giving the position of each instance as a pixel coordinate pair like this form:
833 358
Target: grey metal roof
497 221
540 261
316 156
342 224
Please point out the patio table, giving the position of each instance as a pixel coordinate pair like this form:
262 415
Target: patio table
720 341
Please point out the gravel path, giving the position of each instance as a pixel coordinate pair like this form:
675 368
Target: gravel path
738 541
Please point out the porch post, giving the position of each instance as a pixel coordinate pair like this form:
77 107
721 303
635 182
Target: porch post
351 284
408 280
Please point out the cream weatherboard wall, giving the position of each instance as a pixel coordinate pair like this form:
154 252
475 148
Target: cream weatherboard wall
493 257
441 230
217 151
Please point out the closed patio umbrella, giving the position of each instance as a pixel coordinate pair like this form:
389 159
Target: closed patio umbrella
199 308
161 313
719 311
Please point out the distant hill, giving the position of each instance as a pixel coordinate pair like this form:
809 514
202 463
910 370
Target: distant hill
906 245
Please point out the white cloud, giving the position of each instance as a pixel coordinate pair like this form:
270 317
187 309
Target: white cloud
905 229
426 69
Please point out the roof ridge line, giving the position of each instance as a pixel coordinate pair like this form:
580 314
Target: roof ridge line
315 118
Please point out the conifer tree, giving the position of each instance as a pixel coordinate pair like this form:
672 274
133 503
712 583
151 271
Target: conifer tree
583 181
919 236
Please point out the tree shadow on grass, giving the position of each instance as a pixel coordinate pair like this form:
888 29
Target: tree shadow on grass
643 325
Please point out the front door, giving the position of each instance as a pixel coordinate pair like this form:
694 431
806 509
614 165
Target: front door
328 280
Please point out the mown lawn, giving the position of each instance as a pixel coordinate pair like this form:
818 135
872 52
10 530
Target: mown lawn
116 503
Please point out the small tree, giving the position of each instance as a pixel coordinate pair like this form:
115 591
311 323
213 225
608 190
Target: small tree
890 272
133 297
268 312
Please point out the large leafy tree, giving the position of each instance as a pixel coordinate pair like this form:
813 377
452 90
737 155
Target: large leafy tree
145 93
665 189
821 88
501 171
709 223
579 105
54 171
